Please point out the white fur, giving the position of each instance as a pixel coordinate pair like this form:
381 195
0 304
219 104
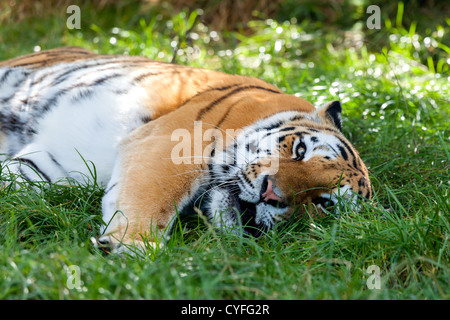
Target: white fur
75 131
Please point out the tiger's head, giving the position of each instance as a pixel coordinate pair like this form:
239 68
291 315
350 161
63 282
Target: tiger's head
288 162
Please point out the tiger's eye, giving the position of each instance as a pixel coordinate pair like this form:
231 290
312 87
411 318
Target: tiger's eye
300 152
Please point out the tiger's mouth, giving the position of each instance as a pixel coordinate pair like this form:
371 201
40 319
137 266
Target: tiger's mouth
253 217
245 216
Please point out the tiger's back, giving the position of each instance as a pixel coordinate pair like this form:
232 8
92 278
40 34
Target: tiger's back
88 102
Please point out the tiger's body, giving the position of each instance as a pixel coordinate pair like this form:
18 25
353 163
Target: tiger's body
262 154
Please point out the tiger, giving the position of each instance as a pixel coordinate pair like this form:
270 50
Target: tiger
168 138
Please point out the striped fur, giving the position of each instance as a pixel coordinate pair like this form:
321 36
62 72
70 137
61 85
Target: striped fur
63 107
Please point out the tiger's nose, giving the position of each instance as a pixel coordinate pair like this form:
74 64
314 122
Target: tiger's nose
267 192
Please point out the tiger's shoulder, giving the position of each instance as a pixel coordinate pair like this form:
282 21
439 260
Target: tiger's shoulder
74 72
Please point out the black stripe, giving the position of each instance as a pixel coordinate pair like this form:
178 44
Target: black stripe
287 129
82 94
5 75
21 80
298 117
26 64
235 153
32 55
120 91
103 79
352 153
52 158
332 130
361 182
24 76
94 83
46 107
229 94
224 117
26 57
225 168
281 138
343 153
334 150
53 52
23 174
143 76
347 146
30 163
67 52
110 188
11 122
320 147
247 179
208 90
104 61
6 99
146 119
271 126
46 75
355 165
52 101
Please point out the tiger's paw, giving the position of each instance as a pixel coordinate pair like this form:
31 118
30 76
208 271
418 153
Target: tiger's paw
136 248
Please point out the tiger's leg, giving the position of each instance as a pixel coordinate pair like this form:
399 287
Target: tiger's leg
144 195
35 163
134 224
114 232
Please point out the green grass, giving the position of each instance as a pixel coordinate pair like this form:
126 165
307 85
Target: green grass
395 95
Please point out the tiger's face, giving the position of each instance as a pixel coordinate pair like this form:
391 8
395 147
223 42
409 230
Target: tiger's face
290 162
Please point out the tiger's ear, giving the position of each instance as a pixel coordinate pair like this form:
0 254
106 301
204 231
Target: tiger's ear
331 113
